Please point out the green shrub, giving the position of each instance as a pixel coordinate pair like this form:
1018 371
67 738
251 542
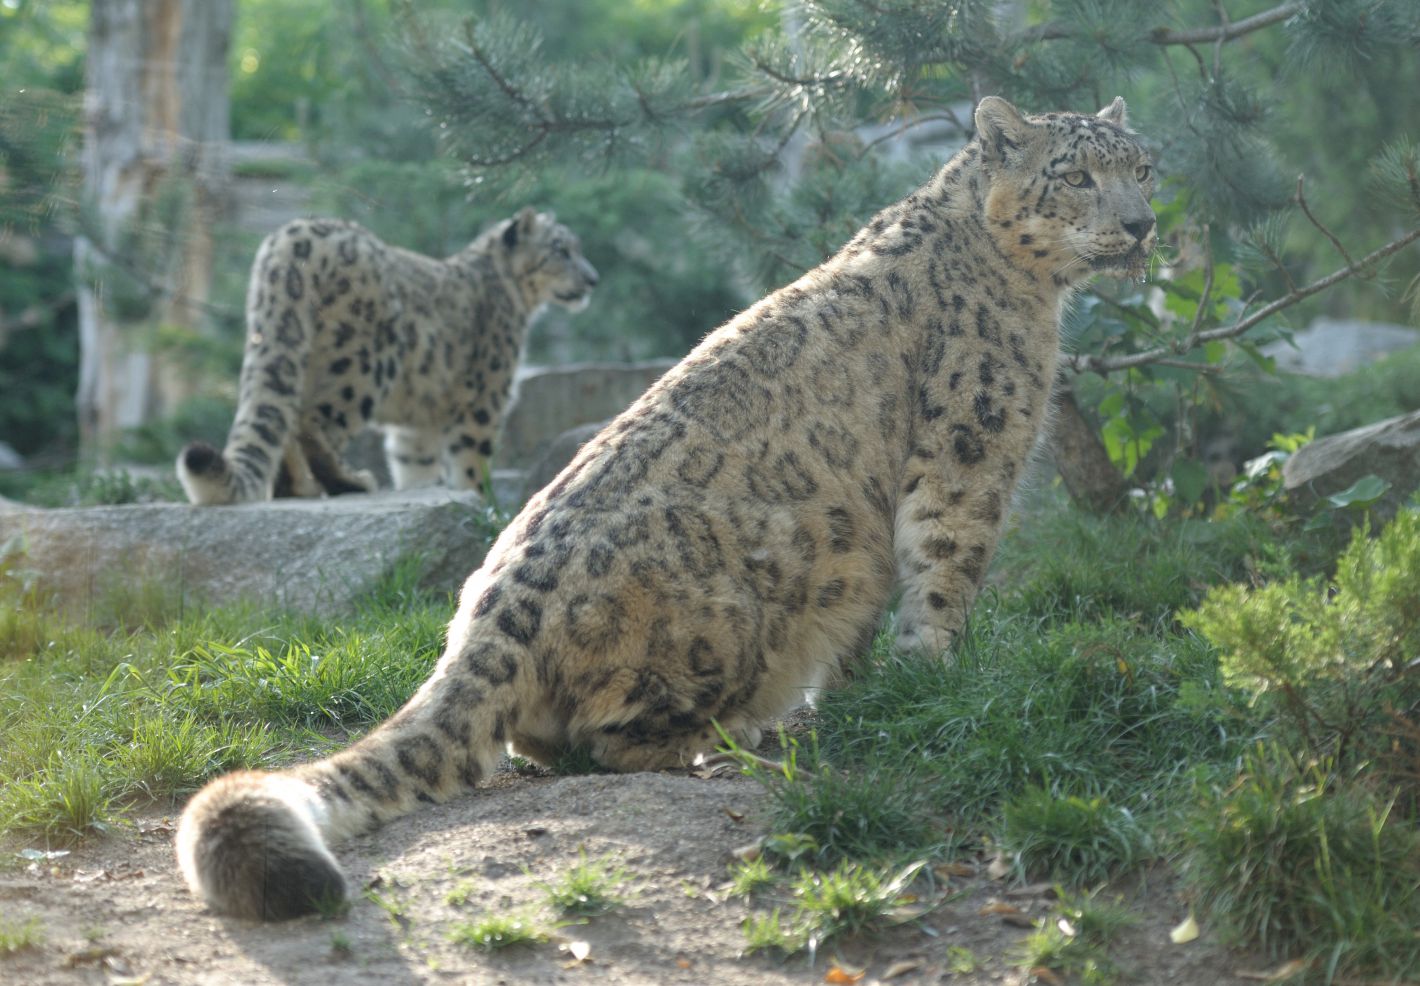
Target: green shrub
1334 660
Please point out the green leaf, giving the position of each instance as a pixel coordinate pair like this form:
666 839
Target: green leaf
1214 351
1112 404
1362 493
1265 363
1190 479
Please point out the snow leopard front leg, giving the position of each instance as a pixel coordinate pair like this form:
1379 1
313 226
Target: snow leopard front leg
956 488
413 456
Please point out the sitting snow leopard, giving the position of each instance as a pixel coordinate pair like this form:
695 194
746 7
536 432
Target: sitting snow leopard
733 538
345 330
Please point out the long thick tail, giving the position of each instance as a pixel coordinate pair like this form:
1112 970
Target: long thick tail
280 331
257 845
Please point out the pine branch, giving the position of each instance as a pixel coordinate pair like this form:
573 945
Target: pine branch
33 316
1102 365
1301 200
1227 31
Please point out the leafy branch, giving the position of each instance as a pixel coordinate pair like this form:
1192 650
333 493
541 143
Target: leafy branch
1102 365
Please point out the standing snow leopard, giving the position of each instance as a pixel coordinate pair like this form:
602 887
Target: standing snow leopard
344 330
734 537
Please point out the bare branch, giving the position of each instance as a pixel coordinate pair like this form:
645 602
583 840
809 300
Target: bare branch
1226 32
1164 36
944 117
1306 210
1099 364
1187 344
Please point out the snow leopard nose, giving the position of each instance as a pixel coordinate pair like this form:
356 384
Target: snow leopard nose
1139 228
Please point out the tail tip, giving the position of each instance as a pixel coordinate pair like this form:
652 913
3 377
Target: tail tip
200 459
249 848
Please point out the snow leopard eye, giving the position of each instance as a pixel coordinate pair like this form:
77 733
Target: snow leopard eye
1078 179
1143 172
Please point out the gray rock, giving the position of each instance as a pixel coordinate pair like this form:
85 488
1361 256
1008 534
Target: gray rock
550 400
1334 347
1389 449
557 454
10 460
310 555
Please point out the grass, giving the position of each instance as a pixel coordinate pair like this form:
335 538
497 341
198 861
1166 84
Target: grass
1302 861
909 756
494 932
1075 940
18 934
751 876
94 719
592 886
1079 841
828 904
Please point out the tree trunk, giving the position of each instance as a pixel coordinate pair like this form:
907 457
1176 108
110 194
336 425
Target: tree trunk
1091 479
155 178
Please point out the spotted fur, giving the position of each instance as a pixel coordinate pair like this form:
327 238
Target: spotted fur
733 538
346 331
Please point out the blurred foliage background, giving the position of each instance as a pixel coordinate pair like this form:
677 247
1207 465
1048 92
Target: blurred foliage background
752 139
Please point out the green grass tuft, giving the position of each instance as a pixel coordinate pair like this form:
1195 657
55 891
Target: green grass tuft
1298 861
1075 940
18 934
1077 841
828 905
498 931
592 886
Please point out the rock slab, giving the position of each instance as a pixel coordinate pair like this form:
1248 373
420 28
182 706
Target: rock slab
316 556
1389 449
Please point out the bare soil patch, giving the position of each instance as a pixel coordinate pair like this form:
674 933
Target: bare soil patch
115 910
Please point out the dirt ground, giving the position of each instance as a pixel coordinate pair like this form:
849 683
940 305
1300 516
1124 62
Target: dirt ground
114 911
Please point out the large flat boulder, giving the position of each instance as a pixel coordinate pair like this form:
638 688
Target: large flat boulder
315 556
1389 449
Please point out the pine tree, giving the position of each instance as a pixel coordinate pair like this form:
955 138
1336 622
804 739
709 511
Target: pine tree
805 143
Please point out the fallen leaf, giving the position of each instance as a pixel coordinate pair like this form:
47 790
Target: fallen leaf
1018 920
1000 867
901 968
998 907
1283 971
1186 931
682 962
92 954
844 977
947 870
749 853
1066 928
1032 890
1047 975
579 950
735 816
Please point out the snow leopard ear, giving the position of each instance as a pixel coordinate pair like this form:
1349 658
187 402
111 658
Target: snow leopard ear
1116 113
519 226
1001 128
